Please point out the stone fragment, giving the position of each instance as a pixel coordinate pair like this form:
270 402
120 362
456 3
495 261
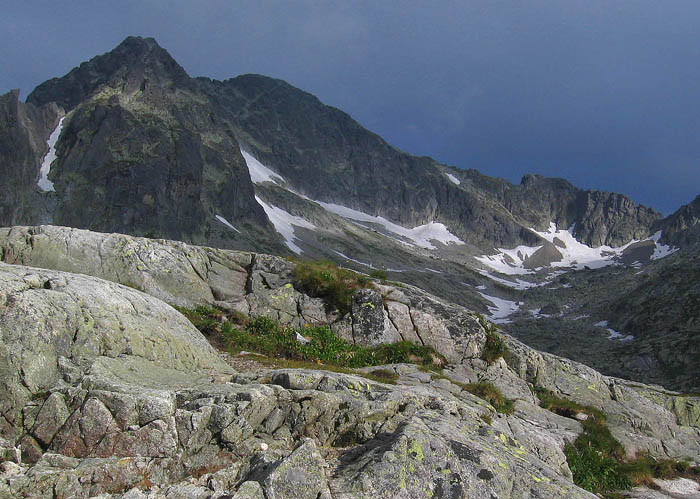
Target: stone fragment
300 475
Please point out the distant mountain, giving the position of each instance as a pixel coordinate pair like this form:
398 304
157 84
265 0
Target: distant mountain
253 163
147 149
682 228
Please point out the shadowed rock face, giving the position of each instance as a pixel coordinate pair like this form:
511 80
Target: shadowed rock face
682 228
136 64
328 156
24 129
143 152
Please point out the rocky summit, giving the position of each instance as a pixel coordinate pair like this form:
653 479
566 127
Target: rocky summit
218 289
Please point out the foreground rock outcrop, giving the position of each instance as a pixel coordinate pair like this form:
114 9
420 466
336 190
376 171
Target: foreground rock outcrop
111 391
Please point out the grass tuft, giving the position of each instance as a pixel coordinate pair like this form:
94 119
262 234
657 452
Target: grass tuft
565 407
329 282
490 394
378 274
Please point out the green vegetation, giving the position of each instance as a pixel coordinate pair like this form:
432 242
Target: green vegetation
331 283
565 407
643 469
594 471
598 460
495 347
482 389
378 274
486 418
132 285
490 394
379 375
265 336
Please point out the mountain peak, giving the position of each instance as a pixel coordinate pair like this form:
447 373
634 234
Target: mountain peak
130 65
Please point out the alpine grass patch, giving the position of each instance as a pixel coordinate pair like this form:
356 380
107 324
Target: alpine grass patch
598 460
308 344
490 394
334 285
494 348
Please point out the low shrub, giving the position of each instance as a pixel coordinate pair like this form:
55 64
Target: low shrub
329 282
593 470
494 348
644 468
490 394
565 407
598 460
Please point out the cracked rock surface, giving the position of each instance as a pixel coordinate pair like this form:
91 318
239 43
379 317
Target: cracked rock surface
109 391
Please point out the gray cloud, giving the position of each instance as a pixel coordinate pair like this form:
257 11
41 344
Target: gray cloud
602 93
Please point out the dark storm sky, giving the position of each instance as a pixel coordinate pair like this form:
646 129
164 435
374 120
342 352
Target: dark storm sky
605 93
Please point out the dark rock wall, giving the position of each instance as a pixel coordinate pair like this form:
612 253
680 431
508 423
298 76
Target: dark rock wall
24 130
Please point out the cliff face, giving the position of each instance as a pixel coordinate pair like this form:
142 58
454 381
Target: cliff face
682 228
109 389
23 132
143 152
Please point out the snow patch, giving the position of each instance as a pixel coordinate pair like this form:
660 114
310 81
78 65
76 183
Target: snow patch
517 284
44 183
661 250
420 236
347 258
509 261
574 253
612 334
260 173
536 313
453 179
226 223
284 223
501 309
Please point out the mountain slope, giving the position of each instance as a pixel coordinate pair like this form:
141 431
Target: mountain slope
151 150
253 163
23 132
682 228
327 156
143 152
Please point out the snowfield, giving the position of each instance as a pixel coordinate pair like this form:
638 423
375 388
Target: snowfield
574 254
284 223
501 309
260 173
420 236
612 334
453 179
661 250
517 284
44 183
226 223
